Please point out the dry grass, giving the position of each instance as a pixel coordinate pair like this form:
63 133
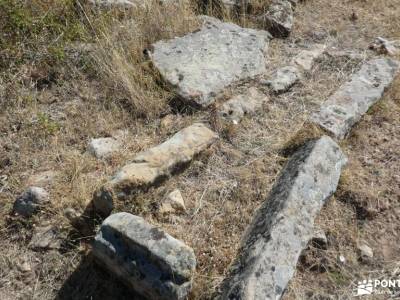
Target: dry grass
48 128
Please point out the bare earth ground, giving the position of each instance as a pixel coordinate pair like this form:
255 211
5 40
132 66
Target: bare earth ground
49 128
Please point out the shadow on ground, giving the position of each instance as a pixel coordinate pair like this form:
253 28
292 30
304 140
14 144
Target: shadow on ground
90 281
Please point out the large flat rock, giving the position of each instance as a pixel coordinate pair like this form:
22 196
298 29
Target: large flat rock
201 64
154 165
150 261
284 223
353 99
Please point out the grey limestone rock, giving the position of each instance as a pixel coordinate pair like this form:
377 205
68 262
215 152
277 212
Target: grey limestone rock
201 64
284 224
346 106
148 260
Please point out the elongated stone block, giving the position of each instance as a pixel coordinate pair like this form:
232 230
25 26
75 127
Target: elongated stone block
284 223
154 165
201 64
150 261
346 106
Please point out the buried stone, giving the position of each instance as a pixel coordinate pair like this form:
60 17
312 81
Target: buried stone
353 99
201 64
146 259
284 224
153 165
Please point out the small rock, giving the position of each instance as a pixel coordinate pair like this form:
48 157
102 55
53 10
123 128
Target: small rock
244 104
342 259
148 260
103 147
42 179
173 203
279 18
30 201
44 238
283 79
383 46
319 239
306 58
365 252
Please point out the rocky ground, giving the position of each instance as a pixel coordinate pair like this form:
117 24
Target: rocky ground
72 86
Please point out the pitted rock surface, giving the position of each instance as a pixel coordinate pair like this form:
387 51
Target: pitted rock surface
148 260
154 164
353 99
201 64
284 224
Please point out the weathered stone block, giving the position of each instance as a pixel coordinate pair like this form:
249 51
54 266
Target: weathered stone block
150 261
306 58
284 223
353 99
201 64
154 165
103 147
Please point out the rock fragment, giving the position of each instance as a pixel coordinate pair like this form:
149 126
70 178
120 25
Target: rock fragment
148 260
103 147
173 203
243 104
201 64
353 99
154 165
284 78
305 59
30 201
383 46
284 224
365 252
44 238
279 18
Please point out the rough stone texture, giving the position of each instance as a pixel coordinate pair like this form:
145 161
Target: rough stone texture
201 64
154 165
305 59
243 104
346 106
283 79
30 201
173 203
103 147
148 260
284 223
279 18
366 253
44 238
